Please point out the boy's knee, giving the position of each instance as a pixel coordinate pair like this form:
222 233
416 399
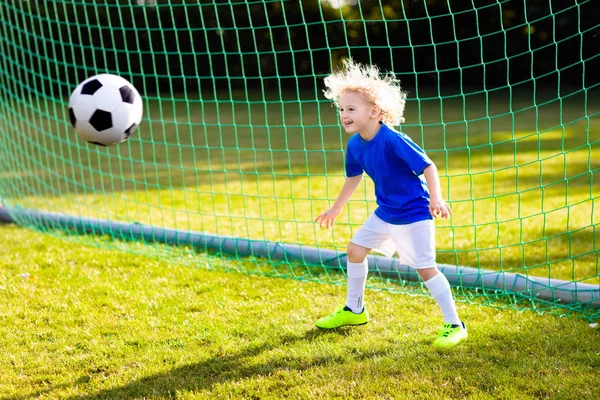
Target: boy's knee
356 253
427 273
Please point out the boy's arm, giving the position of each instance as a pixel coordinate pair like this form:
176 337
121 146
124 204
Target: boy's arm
329 216
437 205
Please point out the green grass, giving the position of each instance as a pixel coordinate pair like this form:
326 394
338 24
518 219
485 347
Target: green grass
80 322
517 170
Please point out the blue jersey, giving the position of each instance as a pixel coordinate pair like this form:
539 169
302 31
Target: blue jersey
396 164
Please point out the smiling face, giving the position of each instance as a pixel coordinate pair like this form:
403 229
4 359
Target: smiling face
358 114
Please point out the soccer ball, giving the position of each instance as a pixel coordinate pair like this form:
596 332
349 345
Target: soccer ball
105 109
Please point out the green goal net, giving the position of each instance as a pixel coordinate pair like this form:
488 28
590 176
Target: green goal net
239 151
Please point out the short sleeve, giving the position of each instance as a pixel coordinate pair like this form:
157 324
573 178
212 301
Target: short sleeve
411 153
353 168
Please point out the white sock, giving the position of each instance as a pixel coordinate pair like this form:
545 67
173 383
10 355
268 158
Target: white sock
439 287
357 277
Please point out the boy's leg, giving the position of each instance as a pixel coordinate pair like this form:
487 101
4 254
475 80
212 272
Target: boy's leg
353 313
416 244
357 269
371 235
454 330
439 287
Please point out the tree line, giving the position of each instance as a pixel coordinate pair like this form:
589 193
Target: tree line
175 46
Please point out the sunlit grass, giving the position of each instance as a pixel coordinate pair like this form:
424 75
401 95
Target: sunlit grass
79 322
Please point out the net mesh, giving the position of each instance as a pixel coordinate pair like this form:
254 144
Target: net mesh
238 141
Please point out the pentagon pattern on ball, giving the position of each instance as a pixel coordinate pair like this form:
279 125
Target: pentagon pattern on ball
91 87
72 116
101 120
127 94
130 130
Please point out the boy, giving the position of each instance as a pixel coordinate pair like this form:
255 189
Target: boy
369 105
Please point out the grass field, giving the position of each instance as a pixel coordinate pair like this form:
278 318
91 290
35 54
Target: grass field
517 169
79 322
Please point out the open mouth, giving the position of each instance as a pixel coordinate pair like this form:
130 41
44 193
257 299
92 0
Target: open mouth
347 123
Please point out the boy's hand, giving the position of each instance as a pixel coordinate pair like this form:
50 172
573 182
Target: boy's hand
328 217
439 208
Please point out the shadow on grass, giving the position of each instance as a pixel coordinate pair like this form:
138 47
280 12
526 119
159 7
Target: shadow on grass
215 370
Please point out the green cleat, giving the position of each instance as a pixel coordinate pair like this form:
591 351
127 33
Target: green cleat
342 317
449 335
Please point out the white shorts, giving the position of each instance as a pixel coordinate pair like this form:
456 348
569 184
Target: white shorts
415 243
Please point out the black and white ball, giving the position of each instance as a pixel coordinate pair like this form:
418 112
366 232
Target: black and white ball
105 109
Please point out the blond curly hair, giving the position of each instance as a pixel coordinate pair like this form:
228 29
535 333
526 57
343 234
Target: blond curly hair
381 89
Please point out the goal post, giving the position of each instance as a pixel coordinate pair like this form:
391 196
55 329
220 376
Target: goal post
538 288
239 149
